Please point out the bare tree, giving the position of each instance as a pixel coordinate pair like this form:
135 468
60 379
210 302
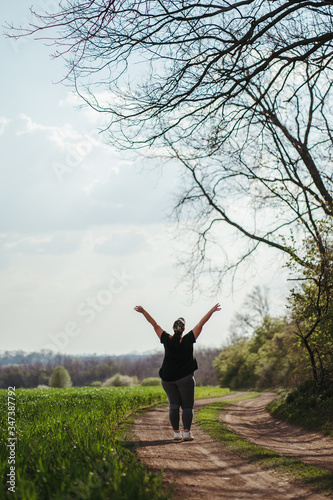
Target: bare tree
237 92
252 312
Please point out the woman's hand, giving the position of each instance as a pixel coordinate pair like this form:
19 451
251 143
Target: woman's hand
150 320
197 329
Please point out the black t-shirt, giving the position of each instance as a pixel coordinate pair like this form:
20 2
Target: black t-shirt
179 361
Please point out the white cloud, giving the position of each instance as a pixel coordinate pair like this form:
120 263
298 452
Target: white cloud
72 100
97 187
47 244
126 242
65 137
3 123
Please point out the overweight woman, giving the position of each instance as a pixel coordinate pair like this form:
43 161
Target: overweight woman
177 370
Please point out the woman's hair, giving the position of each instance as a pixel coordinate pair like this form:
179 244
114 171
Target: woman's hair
179 325
178 328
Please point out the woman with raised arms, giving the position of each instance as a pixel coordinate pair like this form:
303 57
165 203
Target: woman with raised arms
178 367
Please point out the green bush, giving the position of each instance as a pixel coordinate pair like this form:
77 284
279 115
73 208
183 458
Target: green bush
60 377
96 383
149 381
119 380
270 358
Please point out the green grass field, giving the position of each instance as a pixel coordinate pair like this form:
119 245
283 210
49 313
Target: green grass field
75 443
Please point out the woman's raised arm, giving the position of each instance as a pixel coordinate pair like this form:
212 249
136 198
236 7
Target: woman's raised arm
197 329
150 320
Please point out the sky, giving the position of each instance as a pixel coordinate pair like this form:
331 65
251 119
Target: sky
84 229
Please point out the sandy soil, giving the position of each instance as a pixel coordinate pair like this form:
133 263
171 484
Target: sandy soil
203 469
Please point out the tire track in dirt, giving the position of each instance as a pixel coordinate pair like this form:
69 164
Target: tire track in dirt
203 469
250 419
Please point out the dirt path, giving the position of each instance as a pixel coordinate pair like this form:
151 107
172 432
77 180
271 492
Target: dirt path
203 469
250 419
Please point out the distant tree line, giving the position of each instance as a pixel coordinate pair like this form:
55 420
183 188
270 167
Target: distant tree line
30 370
27 373
148 366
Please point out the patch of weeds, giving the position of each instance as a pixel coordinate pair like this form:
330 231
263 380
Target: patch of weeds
306 407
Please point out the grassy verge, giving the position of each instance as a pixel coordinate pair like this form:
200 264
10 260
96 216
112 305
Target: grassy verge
210 392
303 406
208 419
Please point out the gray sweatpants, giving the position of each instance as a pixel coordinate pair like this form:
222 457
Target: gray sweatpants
180 394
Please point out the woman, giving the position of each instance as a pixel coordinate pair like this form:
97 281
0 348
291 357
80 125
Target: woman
177 370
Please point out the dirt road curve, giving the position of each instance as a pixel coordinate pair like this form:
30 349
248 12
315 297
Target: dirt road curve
203 469
250 419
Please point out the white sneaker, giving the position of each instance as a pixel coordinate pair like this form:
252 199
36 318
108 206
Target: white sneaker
177 436
187 436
